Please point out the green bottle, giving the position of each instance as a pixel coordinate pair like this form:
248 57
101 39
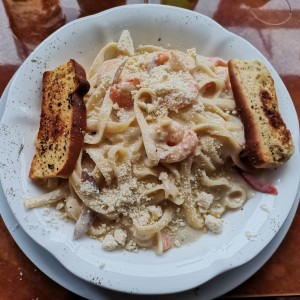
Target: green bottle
189 4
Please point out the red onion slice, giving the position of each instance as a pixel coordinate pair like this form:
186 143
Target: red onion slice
84 222
258 185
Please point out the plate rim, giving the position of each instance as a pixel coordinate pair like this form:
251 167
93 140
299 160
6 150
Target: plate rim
17 233
139 6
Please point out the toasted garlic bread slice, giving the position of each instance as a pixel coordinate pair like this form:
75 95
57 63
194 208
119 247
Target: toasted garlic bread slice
268 141
62 122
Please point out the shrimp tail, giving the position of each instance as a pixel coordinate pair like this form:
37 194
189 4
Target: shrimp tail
182 150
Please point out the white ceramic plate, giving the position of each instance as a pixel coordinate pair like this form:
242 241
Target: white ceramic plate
143 272
212 289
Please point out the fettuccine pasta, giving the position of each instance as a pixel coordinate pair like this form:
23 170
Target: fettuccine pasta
163 138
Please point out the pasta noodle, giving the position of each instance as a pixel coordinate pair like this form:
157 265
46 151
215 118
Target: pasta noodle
161 144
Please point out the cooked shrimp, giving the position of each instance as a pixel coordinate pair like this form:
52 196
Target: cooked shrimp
218 62
175 132
181 150
120 93
166 241
209 88
173 141
161 59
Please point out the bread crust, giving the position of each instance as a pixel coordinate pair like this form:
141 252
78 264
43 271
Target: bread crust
268 142
62 123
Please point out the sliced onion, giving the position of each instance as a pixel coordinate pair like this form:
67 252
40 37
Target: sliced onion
86 176
84 222
119 72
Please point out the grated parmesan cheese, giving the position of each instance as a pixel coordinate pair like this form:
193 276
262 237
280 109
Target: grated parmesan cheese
213 224
204 199
131 246
155 211
88 188
120 236
174 89
109 243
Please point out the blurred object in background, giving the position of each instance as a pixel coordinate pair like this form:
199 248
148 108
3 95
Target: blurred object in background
258 3
26 23
31 21
271 12
90 7
189 4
